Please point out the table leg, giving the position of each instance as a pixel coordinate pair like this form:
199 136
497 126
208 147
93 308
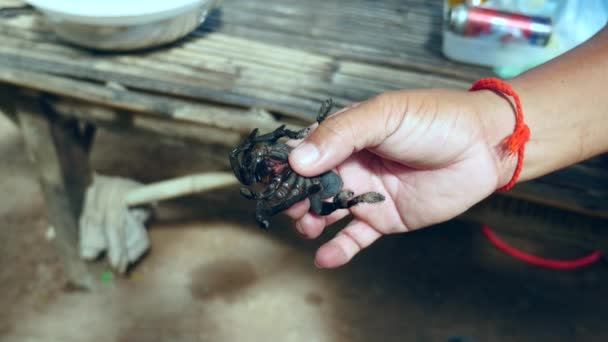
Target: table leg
59 149
7 104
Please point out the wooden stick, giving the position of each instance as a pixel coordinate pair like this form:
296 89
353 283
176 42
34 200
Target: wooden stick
181 186
7 103
61 161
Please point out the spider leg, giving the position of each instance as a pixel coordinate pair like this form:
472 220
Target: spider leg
345 200
235 163
281 132
279 192
284 188
316 193
301 134
268 191
248 194
239 171
321 116
279 152
342 198
316 204
295 192
324 110
295 189
272 188
247 143
262 212
312 185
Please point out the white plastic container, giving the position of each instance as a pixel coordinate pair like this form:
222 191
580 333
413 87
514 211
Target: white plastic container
123 24
574 22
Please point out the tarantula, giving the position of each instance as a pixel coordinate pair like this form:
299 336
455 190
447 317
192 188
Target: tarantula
263 160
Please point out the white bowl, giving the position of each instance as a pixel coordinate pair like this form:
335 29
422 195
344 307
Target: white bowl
123 24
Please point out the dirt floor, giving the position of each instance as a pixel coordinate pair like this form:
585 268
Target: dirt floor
213 276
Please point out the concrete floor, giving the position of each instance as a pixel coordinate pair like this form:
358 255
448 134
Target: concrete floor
213 276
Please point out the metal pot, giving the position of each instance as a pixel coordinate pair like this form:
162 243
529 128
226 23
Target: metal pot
130 31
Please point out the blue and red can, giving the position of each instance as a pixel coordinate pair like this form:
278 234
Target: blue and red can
483 22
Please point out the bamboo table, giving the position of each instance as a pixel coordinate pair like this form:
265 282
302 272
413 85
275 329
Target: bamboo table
251 64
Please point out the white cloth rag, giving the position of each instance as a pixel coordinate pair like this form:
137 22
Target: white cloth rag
108 224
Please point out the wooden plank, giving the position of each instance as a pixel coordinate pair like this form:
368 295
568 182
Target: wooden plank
329 28
339 27
385 51
254 82
229 118
248 97
58 153
356 52
265 72
408 20
122 122
11 4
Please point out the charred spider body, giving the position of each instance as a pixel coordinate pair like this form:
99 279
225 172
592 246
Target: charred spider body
263 160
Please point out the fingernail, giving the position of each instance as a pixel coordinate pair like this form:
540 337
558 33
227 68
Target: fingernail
306 154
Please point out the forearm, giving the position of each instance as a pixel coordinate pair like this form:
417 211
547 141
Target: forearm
565 104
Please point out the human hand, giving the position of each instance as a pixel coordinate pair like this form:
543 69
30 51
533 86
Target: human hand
432 153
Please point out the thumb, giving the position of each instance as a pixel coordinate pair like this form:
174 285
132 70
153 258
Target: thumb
344 133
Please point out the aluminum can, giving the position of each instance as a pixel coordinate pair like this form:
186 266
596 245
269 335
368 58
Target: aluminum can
505 27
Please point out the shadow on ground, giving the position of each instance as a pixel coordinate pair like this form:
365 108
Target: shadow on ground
212 275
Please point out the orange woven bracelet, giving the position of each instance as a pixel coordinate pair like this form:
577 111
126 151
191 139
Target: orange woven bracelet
516 142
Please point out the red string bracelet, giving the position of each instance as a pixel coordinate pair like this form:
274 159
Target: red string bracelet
515 144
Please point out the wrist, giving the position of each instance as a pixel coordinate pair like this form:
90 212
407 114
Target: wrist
496 115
